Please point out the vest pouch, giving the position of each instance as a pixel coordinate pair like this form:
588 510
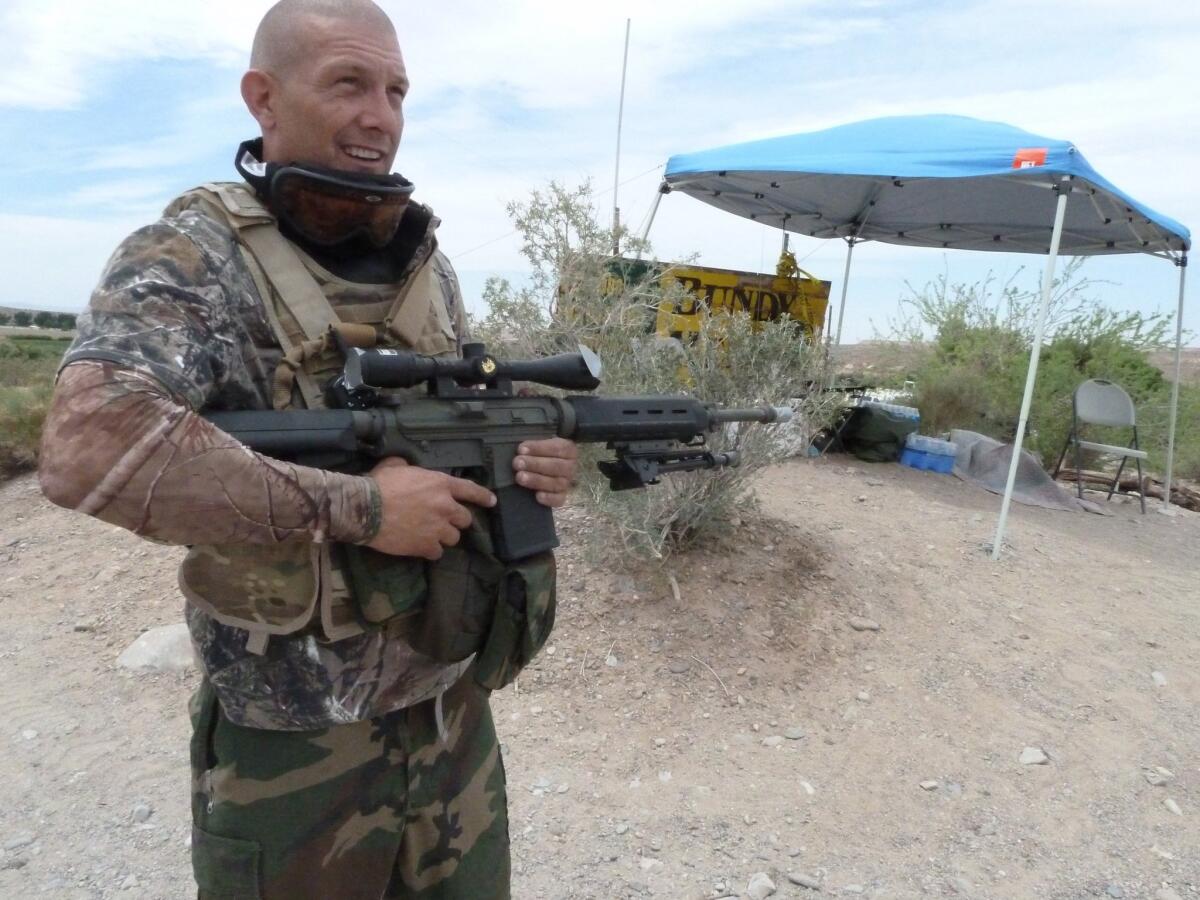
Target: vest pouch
522 622
383 586
463 587
441 608
269 588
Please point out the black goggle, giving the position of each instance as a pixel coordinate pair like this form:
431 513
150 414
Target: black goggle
328 209
327 206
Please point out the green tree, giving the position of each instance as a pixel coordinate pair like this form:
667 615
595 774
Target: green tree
22 319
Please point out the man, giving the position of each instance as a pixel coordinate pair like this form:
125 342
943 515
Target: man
330 757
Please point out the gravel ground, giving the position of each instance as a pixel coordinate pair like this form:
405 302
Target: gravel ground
846 696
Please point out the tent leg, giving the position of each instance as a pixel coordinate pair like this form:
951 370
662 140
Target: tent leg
1035 354
1182 263
850 242
662 189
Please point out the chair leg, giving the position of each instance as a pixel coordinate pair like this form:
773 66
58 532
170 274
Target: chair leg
1078 469
1141 478
1121 468
1063 455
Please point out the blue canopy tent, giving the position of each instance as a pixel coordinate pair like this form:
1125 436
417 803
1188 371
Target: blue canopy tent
941 181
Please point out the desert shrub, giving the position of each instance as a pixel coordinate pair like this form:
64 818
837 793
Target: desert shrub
976 342
27 367
1153 422
22 412
580 293
949 399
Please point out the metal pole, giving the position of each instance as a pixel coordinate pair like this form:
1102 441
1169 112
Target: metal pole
1035 354
860 221
616 237
850 242
785 242
658 195
1182 263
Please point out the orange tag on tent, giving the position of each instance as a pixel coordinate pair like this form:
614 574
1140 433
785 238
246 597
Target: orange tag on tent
1029 157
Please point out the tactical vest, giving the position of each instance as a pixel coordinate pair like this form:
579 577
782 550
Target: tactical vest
448 609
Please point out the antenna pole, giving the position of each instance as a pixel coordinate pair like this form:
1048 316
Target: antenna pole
616 238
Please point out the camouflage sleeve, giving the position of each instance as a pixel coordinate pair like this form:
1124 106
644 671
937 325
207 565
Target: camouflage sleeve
116 445
162 308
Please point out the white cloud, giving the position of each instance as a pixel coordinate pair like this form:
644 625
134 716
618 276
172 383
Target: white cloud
565 55
128 198
55 49
549 54
190 133
508 95
54 263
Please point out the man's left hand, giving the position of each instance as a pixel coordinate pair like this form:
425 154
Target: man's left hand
547 468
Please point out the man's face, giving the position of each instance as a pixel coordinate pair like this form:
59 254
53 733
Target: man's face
340 104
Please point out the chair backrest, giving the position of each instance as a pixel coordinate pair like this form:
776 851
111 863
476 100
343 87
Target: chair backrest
1101 402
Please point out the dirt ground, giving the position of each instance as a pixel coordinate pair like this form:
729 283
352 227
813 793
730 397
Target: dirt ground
675 746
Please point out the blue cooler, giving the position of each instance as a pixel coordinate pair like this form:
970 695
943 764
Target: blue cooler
930 454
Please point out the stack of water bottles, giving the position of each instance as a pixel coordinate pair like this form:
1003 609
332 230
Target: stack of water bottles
930 454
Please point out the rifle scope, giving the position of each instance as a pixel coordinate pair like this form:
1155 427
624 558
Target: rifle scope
401 368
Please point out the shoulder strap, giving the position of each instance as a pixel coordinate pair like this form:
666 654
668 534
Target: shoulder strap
279 273
296 289
227 199
238 201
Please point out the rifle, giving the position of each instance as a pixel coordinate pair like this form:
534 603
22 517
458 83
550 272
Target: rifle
471 422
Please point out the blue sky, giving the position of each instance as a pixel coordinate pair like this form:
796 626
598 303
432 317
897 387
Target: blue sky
108 110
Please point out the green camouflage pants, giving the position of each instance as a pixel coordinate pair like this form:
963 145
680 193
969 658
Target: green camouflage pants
376 809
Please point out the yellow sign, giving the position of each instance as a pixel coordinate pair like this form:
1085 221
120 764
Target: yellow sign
764 297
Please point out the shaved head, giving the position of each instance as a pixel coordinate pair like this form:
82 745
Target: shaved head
327 84
282 38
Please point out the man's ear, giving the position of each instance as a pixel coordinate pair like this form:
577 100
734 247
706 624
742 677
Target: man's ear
258 92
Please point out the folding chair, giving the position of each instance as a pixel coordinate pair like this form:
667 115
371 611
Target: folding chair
1099 402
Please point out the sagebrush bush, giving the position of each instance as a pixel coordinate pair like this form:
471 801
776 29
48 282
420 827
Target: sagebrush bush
581 293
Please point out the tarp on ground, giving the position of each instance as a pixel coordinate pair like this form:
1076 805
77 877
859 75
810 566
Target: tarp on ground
984 461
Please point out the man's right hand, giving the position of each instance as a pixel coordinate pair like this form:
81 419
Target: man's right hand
423 510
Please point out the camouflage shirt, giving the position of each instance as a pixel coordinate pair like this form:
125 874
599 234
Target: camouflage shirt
175 326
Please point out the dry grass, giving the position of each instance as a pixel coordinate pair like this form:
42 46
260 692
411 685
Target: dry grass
27 367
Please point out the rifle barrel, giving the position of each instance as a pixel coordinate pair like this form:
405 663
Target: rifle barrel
763 414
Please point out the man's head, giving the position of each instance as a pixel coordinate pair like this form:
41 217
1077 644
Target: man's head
326 84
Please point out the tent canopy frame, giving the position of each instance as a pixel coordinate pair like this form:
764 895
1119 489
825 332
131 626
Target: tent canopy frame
954 164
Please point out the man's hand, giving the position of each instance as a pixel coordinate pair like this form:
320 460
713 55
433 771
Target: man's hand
423 510
548 468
